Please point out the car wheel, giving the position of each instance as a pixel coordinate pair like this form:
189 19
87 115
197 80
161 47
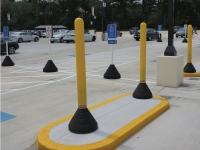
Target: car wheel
93 38
52 41
11 50
20 40
36 39
67 41
61 40
149 38
176 36
120 34
181 36
137 39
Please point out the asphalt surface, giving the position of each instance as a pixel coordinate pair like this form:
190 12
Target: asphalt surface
31 99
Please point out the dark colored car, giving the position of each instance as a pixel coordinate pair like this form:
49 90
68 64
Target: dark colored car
12 46
176 28
151 34
181 33
133 30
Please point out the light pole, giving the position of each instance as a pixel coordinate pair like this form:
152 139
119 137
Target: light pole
170 50
103 13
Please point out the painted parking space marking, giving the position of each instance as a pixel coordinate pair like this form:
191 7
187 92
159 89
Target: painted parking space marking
5 116
37 85
154 61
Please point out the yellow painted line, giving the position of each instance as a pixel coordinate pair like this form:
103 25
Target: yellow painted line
196 74
110 142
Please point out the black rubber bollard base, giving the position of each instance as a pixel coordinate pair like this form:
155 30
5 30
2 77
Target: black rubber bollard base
112 73
142 92
159 40
82 122
189 68
170 51
7 62
50 67
184 40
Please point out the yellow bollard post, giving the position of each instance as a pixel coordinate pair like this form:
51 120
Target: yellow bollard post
82 122
142 91
80 63
189 58
143 33
189 68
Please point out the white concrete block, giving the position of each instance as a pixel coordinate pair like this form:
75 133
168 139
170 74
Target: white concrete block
170 70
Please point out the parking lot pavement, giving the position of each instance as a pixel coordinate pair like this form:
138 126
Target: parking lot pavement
31 99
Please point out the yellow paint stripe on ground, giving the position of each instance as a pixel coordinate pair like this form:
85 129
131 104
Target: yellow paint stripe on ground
196 74
113 140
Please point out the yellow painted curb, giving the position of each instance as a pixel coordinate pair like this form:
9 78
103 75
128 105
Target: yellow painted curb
196 74
112 141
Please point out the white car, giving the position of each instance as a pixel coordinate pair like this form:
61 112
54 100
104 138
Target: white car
24 36
57 37
70 36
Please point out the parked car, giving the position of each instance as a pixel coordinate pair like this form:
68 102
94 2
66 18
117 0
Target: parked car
133 30
12 46
151 34
70 36
38 33
57 37
181 33
43 34
176 28
23 36
119 33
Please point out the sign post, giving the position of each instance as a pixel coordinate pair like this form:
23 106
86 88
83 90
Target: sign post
49 32
185 28
112 34
159 37
50 66
112 72
7 61
6 37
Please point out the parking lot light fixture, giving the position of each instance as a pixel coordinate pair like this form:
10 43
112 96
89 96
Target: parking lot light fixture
170 50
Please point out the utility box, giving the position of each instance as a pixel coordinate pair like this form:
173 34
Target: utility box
170 71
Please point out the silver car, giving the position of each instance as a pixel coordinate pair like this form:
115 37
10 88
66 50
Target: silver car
57 37
24 36
70 36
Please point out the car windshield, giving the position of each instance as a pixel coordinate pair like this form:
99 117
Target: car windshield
72 31
181 29
138 31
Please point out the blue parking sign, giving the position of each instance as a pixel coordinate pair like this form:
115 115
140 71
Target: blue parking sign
112 30
159 27
5 33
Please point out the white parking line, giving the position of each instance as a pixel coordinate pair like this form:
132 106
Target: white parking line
36 85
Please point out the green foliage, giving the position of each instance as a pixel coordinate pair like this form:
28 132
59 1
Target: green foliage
28 14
